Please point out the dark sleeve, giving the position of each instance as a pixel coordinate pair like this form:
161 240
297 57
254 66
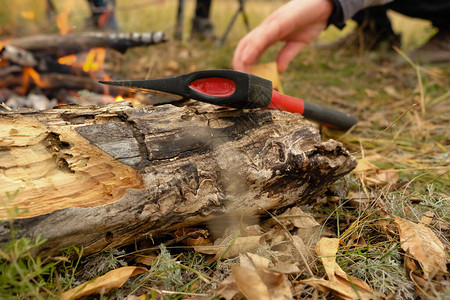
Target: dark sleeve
346 9
337 17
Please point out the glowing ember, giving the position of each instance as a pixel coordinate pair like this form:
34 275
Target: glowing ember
119 99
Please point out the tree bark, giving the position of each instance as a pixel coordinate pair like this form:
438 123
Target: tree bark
105 177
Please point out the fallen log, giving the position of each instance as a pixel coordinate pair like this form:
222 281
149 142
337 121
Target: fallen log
105 177
60 45
56 81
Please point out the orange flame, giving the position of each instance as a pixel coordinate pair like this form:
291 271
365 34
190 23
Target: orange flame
67 60
132 100
62 22
94 60
119 99
30 73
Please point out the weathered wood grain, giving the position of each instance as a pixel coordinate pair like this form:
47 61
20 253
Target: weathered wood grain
104 177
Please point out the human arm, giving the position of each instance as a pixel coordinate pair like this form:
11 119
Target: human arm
297 24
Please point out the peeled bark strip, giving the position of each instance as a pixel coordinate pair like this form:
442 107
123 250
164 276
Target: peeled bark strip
104 177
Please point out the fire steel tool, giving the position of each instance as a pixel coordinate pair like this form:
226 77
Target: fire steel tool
239 90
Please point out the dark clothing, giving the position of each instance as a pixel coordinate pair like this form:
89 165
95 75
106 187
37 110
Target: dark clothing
436 11
103 14
202 9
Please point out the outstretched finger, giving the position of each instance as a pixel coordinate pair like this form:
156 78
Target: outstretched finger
252 47
287 53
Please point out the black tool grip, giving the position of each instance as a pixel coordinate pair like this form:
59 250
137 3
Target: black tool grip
329 117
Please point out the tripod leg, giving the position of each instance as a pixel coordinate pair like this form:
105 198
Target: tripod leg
230 25
244 15
180 20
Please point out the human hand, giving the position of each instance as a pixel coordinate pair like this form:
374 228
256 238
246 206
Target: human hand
297 23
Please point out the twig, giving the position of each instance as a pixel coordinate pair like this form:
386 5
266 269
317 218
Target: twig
386 129
5 106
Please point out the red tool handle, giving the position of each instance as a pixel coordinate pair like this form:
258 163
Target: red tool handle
286 103
324 115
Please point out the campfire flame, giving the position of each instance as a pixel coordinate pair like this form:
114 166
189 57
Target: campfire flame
132 100
119 99
31 74
62 22
94 60
67 60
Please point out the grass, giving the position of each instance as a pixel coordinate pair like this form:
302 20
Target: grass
403 129
23 275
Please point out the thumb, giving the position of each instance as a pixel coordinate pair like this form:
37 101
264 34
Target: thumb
287 53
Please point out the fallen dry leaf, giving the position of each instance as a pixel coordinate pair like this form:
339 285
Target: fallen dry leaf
371 175
424 288
423 245
268 71
342 285
147 260
298 218
250 283
339 291
364 165
226 248
256 280
253 261
193 236
427 218
227 288
100 285
261 283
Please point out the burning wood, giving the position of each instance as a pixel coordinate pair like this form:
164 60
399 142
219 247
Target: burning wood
70 61
65 44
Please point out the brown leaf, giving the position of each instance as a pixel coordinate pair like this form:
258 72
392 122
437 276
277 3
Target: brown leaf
427 218
344 286
424 246
253 261
261 283
249 283
285 268
424 288
299 219
323 285
364 165
268 71
371 175
113 279
226 248
227 288
147 260
192 236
